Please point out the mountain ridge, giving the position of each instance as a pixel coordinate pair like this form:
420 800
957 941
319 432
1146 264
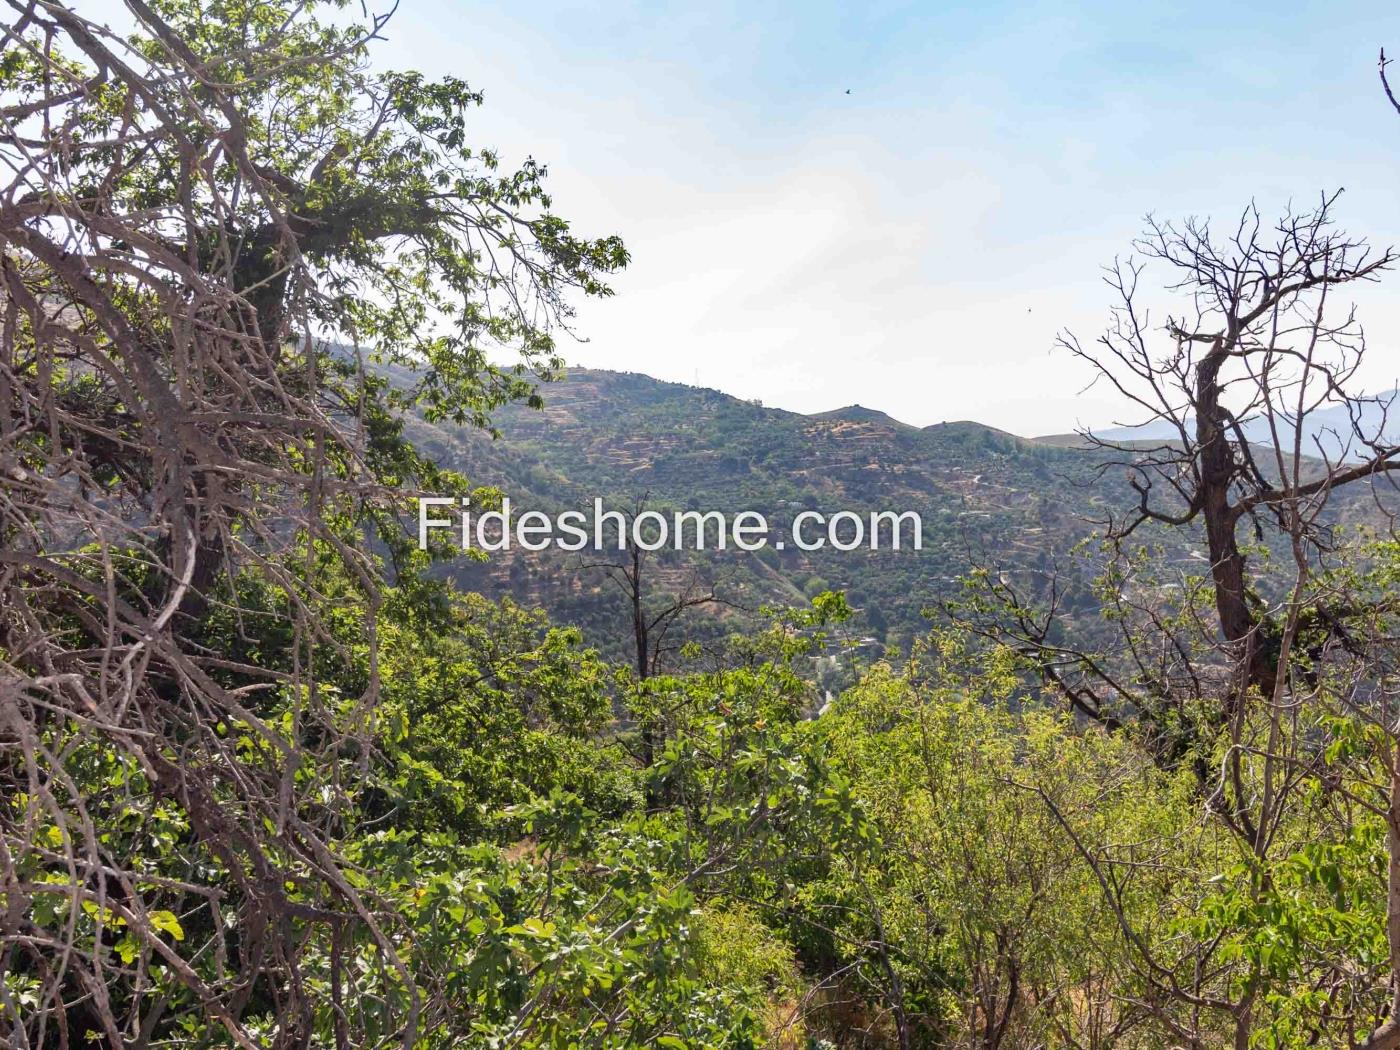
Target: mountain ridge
986 499
983 495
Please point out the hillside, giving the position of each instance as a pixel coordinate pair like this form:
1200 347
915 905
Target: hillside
986 497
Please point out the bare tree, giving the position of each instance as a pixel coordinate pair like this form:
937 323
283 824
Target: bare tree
1230 446
653 615
1258 351
652 621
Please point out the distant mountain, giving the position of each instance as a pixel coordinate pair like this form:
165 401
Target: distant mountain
986 498
1327 431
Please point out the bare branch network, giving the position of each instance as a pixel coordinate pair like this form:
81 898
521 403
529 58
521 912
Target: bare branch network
183 215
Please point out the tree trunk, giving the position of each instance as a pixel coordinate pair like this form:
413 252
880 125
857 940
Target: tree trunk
1387 1036
1227 566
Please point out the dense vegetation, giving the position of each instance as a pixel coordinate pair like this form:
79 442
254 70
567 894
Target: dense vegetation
271 779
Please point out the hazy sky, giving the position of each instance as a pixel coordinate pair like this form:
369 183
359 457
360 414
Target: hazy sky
913 245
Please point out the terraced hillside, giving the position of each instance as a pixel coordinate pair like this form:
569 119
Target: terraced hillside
986 498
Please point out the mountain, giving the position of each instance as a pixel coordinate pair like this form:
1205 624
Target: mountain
986 498
1327 431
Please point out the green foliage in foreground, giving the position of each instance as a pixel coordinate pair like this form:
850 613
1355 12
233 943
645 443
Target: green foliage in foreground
932 860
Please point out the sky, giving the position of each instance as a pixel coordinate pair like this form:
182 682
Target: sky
901 205
916 244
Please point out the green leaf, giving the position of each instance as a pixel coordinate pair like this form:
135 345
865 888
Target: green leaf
166 922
